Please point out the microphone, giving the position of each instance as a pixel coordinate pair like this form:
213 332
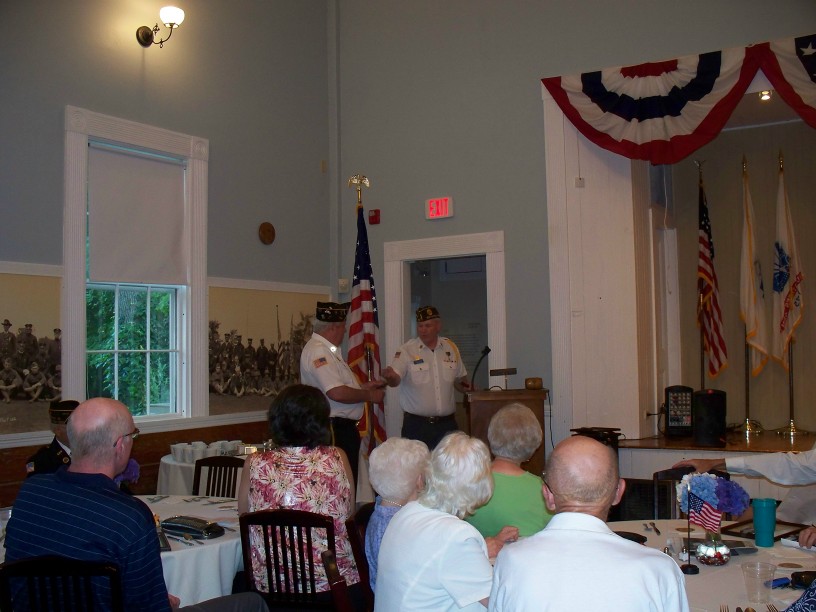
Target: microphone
485 351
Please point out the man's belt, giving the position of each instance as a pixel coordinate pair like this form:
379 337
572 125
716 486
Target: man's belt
431 419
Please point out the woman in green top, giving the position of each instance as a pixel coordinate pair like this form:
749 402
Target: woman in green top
514 435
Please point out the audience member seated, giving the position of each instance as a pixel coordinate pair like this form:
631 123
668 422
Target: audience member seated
396 472
577 562
303 472
430 559
50 458
79 512
514 435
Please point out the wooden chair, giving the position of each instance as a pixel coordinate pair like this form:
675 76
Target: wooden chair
673 476
356 526
222 475
58 583
287 543
339 588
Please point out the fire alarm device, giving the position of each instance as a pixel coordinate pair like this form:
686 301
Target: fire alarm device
439 208
374 216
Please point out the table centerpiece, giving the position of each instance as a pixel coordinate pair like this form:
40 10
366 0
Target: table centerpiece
705 498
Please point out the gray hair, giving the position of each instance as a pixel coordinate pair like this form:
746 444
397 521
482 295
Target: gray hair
98 439
395 465
321 326
514 433
458 479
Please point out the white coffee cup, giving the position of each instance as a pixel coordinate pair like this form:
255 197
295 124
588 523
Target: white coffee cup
188 453
199 452
177 450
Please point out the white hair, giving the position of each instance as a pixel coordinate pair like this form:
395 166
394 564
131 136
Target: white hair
458 479
514 433
395 465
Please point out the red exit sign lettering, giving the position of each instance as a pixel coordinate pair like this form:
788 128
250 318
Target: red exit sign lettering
439 208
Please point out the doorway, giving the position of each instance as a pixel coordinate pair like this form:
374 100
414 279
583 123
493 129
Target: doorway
399 257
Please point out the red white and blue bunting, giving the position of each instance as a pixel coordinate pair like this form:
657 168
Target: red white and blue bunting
664 111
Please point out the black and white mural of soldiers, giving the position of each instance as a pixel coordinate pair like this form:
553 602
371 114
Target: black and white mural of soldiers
28 341
8 341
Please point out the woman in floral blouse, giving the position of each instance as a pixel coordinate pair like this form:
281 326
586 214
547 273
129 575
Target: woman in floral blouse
303 472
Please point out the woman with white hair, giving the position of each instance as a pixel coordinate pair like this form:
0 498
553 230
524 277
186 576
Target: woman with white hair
430 559
395 471
514 435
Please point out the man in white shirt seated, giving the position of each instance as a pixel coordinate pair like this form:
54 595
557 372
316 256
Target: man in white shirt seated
577 562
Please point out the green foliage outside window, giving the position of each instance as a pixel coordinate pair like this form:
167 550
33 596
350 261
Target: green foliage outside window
131 346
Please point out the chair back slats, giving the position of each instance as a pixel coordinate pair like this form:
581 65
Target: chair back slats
222 476
288 539
58 583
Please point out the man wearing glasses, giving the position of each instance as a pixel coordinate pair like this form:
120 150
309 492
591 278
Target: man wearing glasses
79 512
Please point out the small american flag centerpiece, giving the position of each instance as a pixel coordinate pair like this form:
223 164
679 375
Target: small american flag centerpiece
705 497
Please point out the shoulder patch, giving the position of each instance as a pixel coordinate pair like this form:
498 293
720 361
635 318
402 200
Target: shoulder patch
319 362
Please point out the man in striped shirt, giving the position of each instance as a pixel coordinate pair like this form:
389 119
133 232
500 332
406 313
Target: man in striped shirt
79 512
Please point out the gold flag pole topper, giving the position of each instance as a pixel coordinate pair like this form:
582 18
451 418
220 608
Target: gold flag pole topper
357 181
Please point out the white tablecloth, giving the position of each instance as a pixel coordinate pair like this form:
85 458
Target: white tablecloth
175 477
202 571
714 586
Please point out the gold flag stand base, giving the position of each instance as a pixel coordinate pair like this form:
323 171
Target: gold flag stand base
751 427
792 430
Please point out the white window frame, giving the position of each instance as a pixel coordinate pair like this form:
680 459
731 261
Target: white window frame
173 351
82 126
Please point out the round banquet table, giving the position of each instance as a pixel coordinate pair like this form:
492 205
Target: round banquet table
715 586
202 571
175 477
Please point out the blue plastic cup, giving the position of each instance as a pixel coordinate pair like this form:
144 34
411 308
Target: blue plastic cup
764 521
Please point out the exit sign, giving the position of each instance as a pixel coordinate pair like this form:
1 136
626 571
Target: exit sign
439 208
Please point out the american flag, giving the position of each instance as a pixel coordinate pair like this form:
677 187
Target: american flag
702 513
364 350
710 317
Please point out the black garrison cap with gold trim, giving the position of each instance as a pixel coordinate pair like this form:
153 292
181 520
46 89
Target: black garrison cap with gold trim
331 312
426 313
59 411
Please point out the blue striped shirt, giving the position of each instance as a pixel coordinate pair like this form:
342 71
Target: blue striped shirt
85 516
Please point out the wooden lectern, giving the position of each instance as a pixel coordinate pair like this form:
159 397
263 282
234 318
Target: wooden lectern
480 406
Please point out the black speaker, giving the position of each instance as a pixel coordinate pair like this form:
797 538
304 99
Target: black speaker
708 420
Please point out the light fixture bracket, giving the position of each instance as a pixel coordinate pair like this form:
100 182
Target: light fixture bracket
146 36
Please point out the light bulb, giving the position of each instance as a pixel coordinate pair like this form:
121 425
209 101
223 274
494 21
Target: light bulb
171 16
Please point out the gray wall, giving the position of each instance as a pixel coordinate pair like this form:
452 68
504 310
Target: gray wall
255 88
435 98
444 98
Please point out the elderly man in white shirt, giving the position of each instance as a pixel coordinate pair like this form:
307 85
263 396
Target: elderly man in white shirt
322 366
428 369
581 484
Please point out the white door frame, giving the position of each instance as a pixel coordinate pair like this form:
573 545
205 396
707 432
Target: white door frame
398 257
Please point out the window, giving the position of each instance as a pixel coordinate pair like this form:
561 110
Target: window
133 346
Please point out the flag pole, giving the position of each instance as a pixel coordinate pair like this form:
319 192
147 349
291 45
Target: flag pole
699 164
749 426
688 567
791 430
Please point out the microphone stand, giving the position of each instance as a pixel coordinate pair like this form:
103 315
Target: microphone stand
689 568
485 351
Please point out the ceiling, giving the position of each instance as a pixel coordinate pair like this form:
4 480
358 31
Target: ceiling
752 112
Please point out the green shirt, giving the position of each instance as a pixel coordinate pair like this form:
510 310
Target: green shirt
516 501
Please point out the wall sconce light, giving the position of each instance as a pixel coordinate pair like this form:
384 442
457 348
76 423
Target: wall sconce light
171 17
765 95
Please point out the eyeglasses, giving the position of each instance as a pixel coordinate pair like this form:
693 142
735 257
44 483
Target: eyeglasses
133 435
